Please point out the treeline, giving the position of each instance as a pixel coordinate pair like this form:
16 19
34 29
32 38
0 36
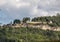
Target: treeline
55 20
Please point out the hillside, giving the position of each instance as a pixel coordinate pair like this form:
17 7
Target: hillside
39 29
28 35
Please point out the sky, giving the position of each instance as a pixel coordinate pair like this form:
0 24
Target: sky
17 9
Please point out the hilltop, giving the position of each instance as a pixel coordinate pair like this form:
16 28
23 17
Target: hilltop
39 29
44 22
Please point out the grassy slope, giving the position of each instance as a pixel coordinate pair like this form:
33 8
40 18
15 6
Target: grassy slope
27 35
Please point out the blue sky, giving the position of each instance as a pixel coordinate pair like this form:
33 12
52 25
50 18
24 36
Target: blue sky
17 9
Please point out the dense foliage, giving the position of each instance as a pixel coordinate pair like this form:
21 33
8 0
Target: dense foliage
55 19
9 34
25 19
16 21
27 35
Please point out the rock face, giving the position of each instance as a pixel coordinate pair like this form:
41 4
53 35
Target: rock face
40 26
46 27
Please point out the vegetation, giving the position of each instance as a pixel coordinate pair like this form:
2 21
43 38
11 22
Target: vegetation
25 19
16 21
28 35
55 20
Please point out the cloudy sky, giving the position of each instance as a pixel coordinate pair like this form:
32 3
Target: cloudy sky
17 9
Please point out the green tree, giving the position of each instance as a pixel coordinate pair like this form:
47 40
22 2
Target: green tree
34 19
16 21
25 19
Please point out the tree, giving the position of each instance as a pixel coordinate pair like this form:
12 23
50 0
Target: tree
25 19
34 19
58 14
16 21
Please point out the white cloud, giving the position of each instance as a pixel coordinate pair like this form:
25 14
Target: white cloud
23 8
18 5
17 0
38 12
2 2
